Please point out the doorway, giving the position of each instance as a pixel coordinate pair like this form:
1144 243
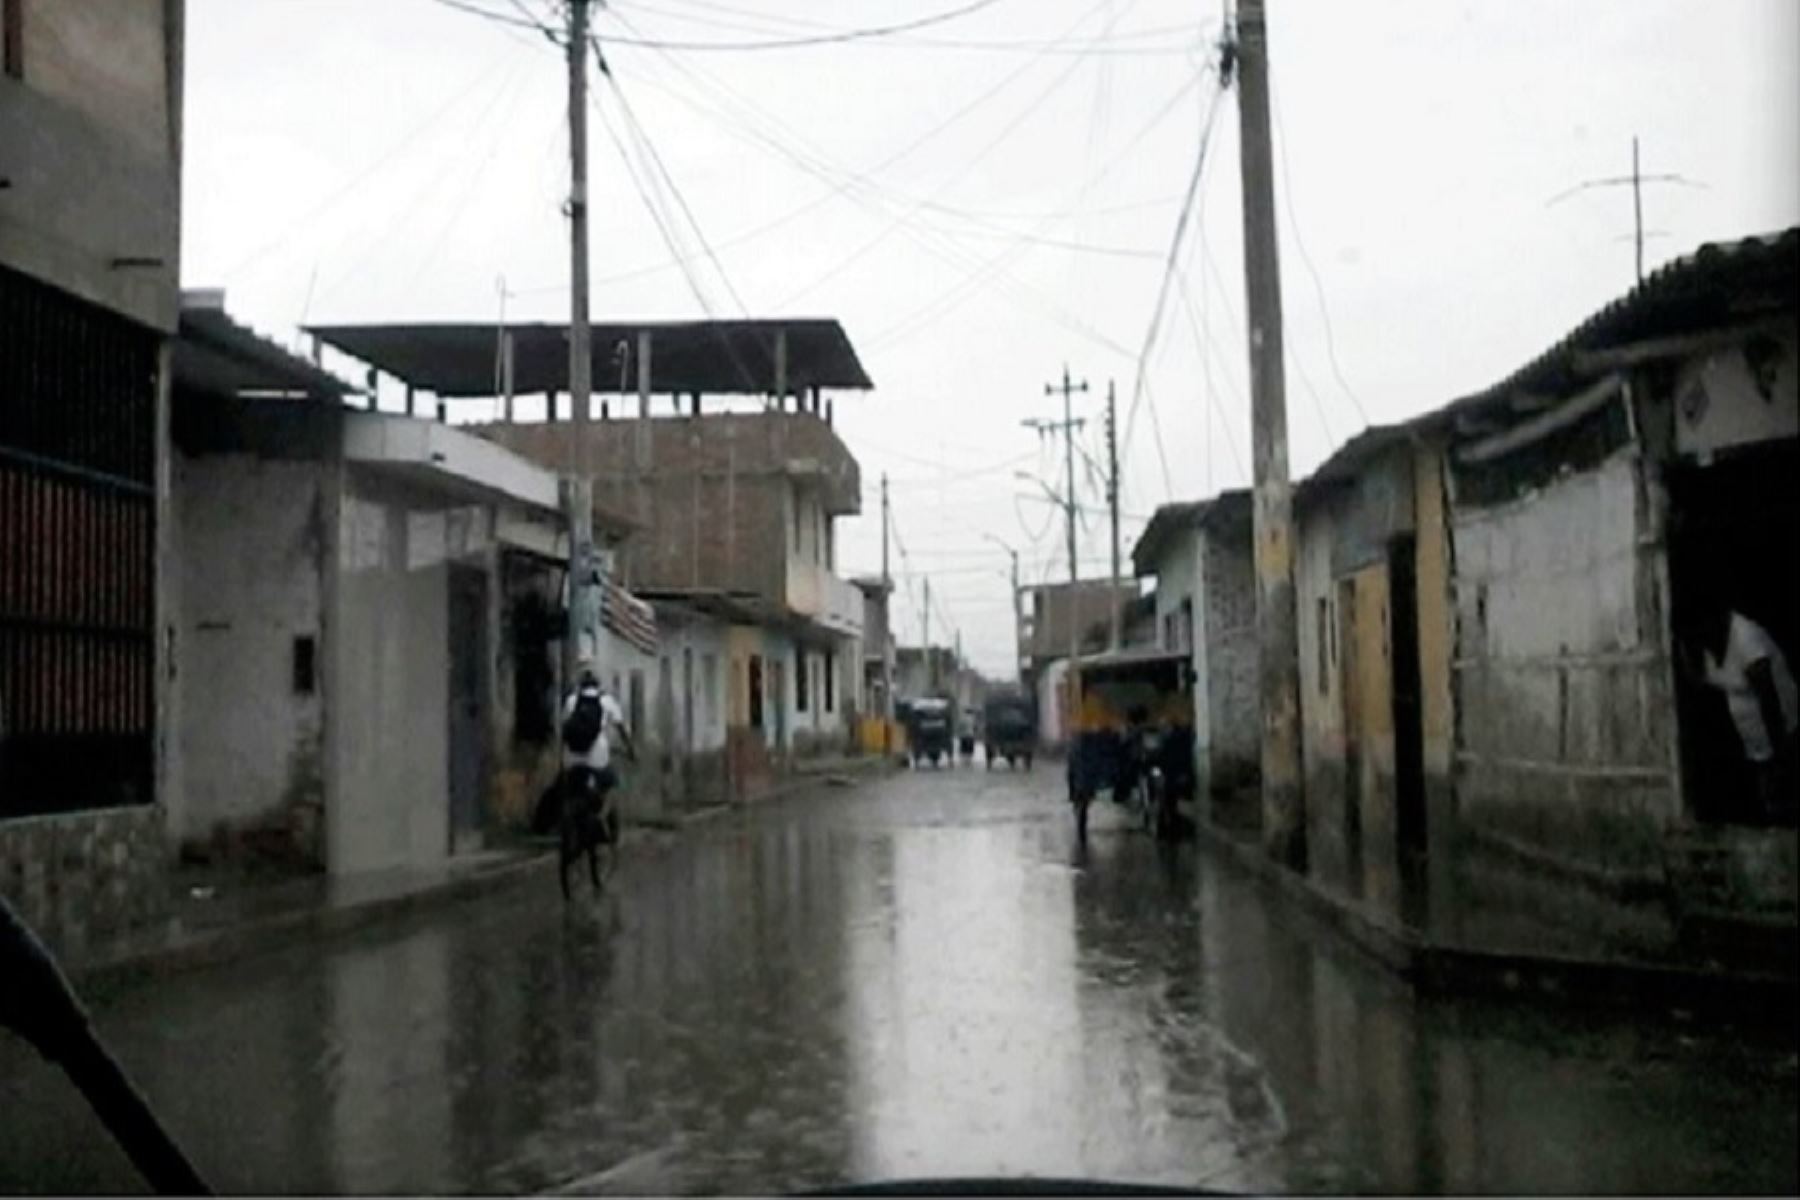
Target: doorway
1732 527
1409 730
468 709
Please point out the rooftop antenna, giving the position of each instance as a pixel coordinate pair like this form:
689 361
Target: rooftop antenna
1637 179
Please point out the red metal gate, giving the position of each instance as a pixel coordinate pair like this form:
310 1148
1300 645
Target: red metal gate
77 553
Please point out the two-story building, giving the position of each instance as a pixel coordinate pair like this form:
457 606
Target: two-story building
715 439
90 214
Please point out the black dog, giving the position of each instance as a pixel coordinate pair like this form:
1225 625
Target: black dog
588 819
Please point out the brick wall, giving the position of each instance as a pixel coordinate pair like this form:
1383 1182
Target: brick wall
1234 699
710 495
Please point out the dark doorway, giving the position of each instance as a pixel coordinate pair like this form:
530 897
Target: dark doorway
1409 732
756 691
1733 527
468 710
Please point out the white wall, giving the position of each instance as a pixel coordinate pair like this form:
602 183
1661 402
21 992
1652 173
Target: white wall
1718 404
251 535
1564 721
390 789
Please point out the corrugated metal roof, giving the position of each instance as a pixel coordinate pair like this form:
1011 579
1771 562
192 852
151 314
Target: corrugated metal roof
1169 519
708 357
220 357
1720 284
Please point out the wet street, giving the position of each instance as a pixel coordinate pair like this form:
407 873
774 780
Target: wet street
918 976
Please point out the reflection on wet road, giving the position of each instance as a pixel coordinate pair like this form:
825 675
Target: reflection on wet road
916 977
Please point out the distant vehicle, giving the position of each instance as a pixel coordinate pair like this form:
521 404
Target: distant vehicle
1133 737
1010 724
928 730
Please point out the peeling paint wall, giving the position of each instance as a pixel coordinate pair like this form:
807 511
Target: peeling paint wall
1564 713
1321 687
252 545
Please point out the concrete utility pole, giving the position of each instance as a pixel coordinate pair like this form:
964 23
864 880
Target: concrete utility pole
1068 425
887 609
1018 618
579 490
930 663
1283 802
1112 504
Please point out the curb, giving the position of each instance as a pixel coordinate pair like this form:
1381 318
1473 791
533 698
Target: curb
1440 970
231 942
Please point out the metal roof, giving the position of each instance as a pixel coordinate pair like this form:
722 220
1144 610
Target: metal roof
1184 514
220 357
1720 284
708 357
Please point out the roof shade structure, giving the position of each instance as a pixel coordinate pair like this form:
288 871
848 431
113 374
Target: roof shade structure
459 360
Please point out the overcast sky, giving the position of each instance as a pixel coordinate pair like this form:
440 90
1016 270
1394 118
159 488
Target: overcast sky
985 200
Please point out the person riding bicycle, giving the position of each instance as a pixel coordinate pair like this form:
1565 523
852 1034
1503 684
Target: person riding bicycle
591 716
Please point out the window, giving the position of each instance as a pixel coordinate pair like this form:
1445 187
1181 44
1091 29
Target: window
635 714
819 535
306 665
12 16
830 681
800 680
795 498
709 688
830 546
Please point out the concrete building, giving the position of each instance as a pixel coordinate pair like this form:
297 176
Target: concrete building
1205 606
364 606
733 492
1048 612
877 645
90 214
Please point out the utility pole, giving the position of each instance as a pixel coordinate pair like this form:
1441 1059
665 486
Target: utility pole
1018 618
1067 426
887 631
579 490
1112 503
1283 811
930 663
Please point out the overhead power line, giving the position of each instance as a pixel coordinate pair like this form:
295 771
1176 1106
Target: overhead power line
1175 242
836 37
1287 193
500 18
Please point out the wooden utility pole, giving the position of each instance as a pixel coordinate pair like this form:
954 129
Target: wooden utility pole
1112 504
1283 801
579 490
